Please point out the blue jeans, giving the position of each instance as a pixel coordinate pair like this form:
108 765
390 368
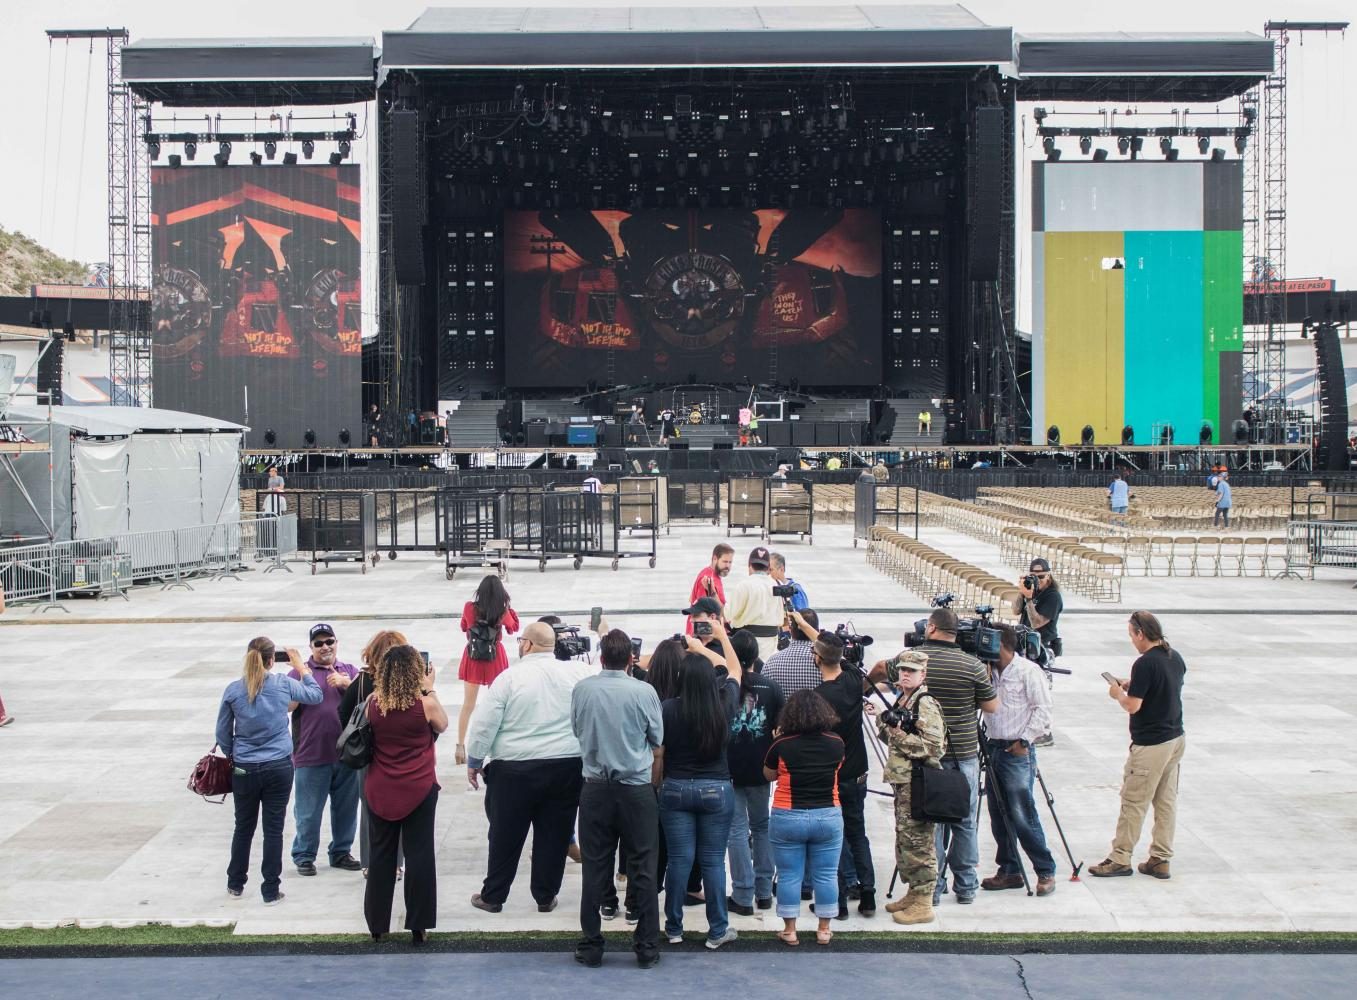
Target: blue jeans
751 856
806 843
958 844
314 785
259 788
1014 778
695 815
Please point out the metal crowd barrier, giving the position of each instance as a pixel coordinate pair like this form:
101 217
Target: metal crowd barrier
1319 543
109 566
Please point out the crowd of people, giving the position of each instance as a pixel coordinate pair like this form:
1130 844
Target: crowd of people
727 768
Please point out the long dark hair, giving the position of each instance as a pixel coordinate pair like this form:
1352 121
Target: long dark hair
1149 628
747 651
700 711
492 600
666 667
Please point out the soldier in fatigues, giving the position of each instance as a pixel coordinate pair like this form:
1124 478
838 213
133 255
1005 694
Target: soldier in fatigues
926 741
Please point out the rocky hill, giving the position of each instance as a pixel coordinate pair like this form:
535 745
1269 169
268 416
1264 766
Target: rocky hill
24 263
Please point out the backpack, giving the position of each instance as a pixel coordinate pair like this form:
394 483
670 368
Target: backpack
481 640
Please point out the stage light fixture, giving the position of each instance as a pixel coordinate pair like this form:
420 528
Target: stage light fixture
1137 144
270 148
308 148
1053 435
1123 145
256 158
1165 145
190 150
336 158
345 147
1217 156
1099 155
1203 144
1039 114
1239 430
1166 434
310 438
223 154
1128 435
1240 144
1048 144
1086 435
1206 433
1085 144
270 437
176 160
153 149
289 159
344 436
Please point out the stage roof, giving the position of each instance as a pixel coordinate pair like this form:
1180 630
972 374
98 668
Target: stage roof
1113 65
119 421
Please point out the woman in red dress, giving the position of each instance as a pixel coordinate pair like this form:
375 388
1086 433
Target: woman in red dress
491 605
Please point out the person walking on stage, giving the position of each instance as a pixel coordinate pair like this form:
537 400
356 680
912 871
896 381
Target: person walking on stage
668 431
402 791
252 730
485 619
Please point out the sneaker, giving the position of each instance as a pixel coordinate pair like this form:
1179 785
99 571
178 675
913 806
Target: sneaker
307 868
276 899
1108 868
347 862
234 892
1044 740
724 939
6 721
632 917
1045 885
743 909
608 912
1155 867
1001 880
674 938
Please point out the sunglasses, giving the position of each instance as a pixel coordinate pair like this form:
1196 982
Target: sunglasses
324 642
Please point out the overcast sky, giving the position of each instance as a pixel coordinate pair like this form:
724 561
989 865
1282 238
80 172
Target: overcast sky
67 210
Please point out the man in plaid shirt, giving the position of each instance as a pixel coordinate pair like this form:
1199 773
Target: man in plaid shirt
793 668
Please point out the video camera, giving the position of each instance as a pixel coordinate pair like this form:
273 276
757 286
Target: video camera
981 639
569 643
854 645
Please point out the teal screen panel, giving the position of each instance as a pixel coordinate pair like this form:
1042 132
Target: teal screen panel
1164 362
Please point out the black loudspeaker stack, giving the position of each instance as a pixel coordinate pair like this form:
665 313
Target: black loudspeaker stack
987 174
407 198
50 367
1333 399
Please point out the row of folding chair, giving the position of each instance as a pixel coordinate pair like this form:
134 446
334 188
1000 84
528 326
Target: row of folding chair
928 571
1195 555
1082 568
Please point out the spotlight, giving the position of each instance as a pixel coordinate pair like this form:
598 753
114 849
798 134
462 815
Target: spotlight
1217 156
1053 435
176 160
1203 144
1099 155
1207 432
344 437
270 437
1240 143
336 158
1085 144
310 437
1137 144
1165 145
1086 435
1166 434
1240 431
1123 145
270 148
1039 114
1128 435
308 148
153 149
223 154
1052 153
289 159
344 147
190 150
256 158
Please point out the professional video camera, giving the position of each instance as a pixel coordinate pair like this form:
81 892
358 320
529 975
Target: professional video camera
981 639
569 643
854 645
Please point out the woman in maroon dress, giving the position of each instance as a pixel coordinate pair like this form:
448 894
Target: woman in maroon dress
401 790
491 606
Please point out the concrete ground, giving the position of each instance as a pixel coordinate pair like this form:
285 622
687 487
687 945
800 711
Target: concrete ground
116 700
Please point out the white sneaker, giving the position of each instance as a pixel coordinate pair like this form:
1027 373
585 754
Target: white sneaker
726 938
675 938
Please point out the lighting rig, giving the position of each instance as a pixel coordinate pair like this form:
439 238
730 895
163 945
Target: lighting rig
1094 141
280 131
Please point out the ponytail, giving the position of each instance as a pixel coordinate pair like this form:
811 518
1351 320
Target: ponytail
258 661
1149 628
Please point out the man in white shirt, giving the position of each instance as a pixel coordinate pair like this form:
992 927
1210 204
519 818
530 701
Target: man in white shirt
522 741
752 605
1023 715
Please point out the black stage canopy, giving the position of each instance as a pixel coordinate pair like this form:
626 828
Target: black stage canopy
1117 66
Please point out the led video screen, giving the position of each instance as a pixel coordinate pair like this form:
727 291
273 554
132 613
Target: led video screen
256 298
707 295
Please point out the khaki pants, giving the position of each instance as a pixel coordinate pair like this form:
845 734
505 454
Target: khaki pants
1149 778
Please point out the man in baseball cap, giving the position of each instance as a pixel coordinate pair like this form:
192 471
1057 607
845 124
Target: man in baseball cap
752 605
704 609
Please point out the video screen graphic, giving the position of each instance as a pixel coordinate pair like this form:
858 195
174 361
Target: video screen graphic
256 298
712 295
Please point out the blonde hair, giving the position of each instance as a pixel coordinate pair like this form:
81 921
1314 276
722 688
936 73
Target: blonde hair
378 646
397 679
258 663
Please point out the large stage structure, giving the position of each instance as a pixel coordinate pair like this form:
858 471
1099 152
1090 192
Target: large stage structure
574 203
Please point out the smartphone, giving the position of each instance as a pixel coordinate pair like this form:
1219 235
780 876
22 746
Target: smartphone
428 664
1110 679
280 656
702 628
595 616
636 649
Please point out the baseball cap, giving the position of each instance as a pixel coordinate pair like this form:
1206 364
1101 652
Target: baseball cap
908 658
759 557
704 606
319 630
1040 564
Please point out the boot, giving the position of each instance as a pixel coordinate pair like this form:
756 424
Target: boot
896 905
918 910
867 903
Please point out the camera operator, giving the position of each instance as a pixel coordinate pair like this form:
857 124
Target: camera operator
961 685
843 689
793 668
1039 607
914 731
752 605
1024 714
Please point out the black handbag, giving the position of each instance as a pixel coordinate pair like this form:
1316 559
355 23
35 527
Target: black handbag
355 741
938 794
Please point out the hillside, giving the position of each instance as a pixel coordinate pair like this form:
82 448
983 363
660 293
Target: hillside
24 262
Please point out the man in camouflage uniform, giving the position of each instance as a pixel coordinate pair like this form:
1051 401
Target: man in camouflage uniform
925 741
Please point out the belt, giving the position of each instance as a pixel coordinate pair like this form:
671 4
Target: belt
762 631
614 781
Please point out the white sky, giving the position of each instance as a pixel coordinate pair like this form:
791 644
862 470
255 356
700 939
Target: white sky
65 208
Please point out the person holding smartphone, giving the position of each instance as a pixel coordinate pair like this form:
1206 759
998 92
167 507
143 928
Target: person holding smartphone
253 730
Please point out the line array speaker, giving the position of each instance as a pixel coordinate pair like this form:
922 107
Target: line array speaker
407 198
987 174
50 367
1333 399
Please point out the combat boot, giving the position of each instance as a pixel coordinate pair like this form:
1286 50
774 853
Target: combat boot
896 905
918 909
